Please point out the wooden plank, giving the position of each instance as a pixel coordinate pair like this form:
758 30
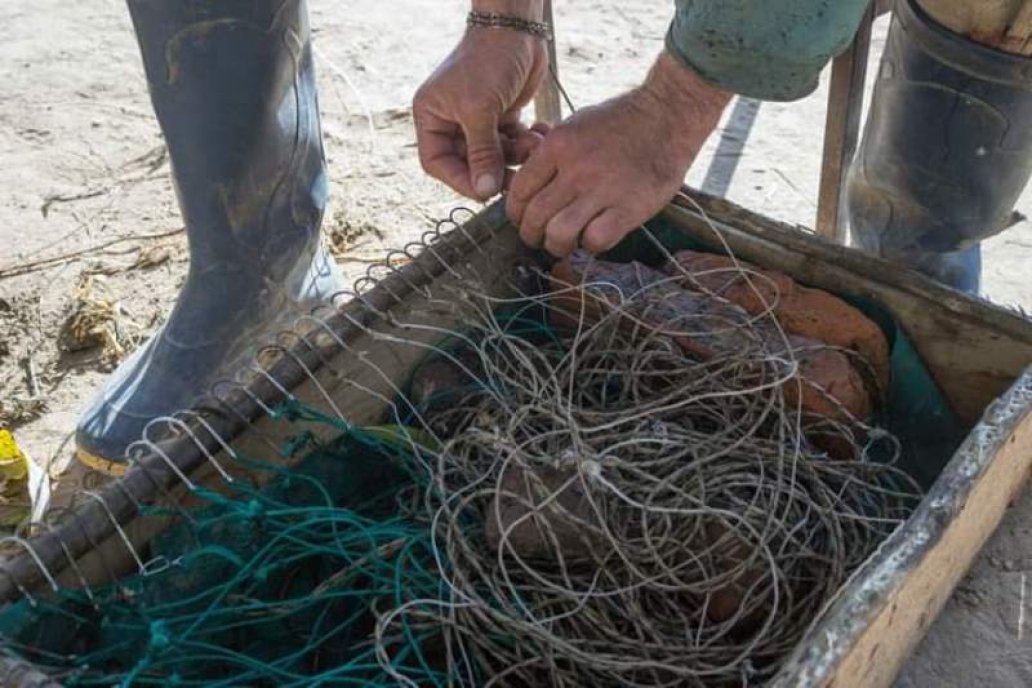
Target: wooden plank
865 636
842 129
547 105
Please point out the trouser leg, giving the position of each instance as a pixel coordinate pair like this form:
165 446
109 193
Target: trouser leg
946 152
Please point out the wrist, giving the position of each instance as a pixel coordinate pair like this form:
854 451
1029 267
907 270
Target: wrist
531 10
691 101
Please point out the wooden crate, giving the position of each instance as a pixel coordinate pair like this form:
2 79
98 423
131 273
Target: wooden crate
335 361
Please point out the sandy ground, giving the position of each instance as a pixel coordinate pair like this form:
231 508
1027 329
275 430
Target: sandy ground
87 213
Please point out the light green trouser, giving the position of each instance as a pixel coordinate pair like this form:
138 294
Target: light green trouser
764 49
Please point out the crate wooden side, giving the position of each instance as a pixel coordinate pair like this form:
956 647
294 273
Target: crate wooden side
981 357
864 637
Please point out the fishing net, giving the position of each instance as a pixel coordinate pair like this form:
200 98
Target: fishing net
595 476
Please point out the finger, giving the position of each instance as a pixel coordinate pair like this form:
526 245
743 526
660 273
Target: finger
516 129
507 180
515 151
511 119
511 126
541 128
542 208
484 155
519 148
538 170
605 231
437 141
563 232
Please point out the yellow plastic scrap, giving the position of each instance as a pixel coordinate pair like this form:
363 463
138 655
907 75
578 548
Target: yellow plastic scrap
15 503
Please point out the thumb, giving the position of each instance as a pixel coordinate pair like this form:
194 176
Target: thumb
484 156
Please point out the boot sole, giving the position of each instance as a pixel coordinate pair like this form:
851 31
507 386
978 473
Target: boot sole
98 463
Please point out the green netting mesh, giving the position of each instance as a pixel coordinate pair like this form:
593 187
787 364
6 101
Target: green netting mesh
263 586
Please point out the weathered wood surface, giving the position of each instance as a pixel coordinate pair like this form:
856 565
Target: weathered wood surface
977 352
866 634
548 107
842 129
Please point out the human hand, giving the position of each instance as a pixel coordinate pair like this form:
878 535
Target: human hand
605 170
467 112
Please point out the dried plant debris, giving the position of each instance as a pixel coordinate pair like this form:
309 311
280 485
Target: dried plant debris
8 325
345 236
22 335
152 257
17 411
98 321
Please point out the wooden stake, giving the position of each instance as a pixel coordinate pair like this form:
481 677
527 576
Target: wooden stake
842 129
547 106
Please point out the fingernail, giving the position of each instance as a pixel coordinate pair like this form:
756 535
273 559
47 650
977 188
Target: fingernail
486 186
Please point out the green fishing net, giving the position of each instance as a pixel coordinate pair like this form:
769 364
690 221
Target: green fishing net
261 586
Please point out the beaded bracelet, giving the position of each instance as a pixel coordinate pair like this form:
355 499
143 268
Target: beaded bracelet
490 20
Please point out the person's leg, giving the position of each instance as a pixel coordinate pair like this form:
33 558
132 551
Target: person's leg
947 149
233 88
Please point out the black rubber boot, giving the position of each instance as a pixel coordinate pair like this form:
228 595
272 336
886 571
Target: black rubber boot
946 152
233 87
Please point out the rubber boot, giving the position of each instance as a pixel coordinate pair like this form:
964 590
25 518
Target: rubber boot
233 87
946 152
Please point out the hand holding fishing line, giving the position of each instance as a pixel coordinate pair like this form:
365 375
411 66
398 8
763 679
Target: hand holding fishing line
608 168
467 113
592 179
